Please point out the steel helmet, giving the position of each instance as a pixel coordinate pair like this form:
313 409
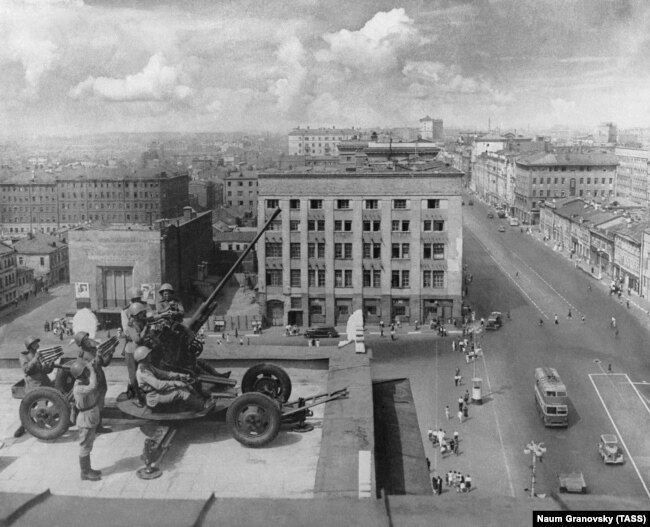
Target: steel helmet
141 352
29 341
136 308
79 337
166 287
135 292
78 367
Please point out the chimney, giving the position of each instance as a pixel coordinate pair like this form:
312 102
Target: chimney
187 213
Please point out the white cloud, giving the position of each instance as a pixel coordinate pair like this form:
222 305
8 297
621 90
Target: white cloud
290 89
156 82
377 46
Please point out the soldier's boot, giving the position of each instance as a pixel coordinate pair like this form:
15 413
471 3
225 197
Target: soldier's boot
20 431
101 429
87 473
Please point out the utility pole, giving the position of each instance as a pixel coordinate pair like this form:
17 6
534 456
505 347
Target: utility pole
537 451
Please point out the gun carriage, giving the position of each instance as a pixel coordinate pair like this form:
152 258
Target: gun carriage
253 416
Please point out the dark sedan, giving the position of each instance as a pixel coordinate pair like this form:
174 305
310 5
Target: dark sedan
321 332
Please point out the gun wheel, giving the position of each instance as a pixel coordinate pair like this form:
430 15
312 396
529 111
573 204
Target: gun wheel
268 379
253 419
44 412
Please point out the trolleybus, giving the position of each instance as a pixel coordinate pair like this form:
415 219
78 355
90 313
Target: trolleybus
551 397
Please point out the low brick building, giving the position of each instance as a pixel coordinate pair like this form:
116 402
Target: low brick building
47 255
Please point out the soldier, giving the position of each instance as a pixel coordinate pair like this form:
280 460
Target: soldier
35 371
86 395
169 304
135 332
163 387
88 352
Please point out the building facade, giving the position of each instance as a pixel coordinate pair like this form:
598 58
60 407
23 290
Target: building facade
632 174
47 255
240 190
318 141
8 282
50 201
432 129
386 242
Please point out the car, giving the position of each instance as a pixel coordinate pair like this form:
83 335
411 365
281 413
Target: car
490 215
321 332
572 482
494 321
501 214
610 450
502 228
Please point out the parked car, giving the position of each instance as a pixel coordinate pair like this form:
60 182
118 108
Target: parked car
494 321
490 215
610 450
502 228
321 332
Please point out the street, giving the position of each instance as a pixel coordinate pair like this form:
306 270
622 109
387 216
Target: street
516 273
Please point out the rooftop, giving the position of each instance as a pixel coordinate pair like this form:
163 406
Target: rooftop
568 158
47 176
38 243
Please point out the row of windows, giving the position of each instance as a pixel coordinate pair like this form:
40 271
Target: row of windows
241 193
565 169
367 225
343 204
400 279
582 180
343 251
32 189
241 203
562 193
241 183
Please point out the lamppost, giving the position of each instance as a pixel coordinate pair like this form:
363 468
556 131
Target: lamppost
537 451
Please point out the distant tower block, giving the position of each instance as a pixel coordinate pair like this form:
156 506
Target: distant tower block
431 129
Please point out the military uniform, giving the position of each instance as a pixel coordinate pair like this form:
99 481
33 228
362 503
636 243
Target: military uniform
87 398
164 387
35 372
171 306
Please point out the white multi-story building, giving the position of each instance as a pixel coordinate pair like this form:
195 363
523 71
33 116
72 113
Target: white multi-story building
632 173
318 141
386 241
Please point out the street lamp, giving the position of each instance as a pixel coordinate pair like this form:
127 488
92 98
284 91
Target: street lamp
537 451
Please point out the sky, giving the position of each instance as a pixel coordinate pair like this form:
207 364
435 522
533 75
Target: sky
72 67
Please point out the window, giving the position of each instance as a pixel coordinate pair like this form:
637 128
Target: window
276 225
400 279
373 225
316 225
438 225
274 277
400 204
294 250
274 250
433 204
400 225
371 204
294 225
555 181
434 279
321 278
338 250
400 250
294 204
296 302
311 250
372 250
343 225
343 278
295 277
534 181
433 251
315 203
588 181
311 278
342 203
42 260
115 283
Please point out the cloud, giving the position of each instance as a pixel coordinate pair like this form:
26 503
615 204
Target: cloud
290 89
377 46
156 82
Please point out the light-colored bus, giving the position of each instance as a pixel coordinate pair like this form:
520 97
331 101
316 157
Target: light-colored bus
551 397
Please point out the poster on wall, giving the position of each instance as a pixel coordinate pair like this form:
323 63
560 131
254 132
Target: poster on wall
81 290
148 293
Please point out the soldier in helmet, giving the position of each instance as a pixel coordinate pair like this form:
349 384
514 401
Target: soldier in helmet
35 371
169 305
88 353
86 396
163 387
135 333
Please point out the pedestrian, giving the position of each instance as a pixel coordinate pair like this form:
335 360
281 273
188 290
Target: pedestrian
392 333
613 322
609 368
460 403
455 447
241 341
441 435
456 436
449 478
439 486
453 345
468 482
434 484
86 396
616 333
627 303
582 319
452 445
443 446
466 397
460 416
428 464
569 314
556 320
447 412
465 411
430 434
482 321
236 333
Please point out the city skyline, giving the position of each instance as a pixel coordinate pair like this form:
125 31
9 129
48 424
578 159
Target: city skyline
73 67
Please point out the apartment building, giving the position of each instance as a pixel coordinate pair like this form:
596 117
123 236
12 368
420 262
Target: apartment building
432 129
47 201
8 284
318 141
388 242
632 174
